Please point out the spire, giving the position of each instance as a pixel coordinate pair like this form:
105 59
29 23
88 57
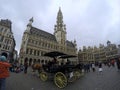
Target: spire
59 10
60 28
59 16
59 22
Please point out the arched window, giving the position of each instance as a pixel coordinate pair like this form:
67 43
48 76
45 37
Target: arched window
42 61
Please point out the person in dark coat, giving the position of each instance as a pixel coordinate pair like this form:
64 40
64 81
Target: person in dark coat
118 63
25 67
100 67
4 72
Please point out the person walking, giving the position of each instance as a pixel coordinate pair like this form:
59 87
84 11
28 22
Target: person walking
93 67
25 67
118 63
100 67
4 72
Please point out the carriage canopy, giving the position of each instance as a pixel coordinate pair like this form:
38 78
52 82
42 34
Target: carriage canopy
54 54
67 56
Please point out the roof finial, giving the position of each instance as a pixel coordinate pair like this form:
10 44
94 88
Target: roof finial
31 19
30 22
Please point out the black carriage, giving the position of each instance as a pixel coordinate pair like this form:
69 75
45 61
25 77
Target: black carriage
61 74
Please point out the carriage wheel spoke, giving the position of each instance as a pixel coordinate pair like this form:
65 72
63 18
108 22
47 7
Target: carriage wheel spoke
60 80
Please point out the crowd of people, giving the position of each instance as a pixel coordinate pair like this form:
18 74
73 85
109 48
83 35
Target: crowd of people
87 67
16 67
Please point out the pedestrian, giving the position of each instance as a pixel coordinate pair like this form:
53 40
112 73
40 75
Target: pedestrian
100 67
118 63
93 67
4 72
88 67
113 63
21 67
25 67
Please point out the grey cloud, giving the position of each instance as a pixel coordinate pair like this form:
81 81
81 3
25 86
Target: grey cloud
95 25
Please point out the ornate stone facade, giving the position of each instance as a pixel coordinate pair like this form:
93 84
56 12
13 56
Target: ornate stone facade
111 51
96 54
36 42
7 41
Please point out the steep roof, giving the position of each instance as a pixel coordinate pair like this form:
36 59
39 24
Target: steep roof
44 34
70 44
48 36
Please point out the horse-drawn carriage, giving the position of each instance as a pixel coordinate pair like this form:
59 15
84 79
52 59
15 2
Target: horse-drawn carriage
61 74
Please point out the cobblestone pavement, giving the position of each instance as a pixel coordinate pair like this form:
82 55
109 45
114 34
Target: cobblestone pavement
108 80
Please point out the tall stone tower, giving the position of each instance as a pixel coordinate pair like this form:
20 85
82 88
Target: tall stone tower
60 29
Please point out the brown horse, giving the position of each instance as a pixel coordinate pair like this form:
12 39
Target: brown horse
37 66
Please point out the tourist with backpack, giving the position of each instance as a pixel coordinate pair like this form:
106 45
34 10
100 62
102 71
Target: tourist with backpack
4 72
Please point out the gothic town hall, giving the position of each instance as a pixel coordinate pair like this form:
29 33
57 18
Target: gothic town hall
36 42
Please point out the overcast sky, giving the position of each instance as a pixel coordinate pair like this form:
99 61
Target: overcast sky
90 22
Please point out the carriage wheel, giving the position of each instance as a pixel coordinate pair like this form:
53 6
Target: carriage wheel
43 76
77 74
60 80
